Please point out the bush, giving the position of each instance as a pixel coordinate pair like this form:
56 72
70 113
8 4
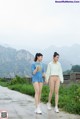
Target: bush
25 88
18 80
70 98
45 93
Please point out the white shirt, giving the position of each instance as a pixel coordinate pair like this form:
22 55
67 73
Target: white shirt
54 69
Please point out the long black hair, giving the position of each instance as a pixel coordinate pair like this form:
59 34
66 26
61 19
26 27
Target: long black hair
55 54
37 55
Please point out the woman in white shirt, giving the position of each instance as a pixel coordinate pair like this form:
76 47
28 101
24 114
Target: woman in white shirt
54 76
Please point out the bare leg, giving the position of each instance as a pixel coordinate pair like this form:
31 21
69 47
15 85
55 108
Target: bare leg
36 88
51 85
57 85
40 91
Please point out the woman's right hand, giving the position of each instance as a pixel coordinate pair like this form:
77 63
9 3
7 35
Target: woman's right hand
37 68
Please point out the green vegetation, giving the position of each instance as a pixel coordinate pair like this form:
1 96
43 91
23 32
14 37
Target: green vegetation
67 72
75 68
69 94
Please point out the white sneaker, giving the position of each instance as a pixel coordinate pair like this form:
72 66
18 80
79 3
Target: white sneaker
56 110
49 106
38 111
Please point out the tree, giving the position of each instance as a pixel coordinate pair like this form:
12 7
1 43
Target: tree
76 68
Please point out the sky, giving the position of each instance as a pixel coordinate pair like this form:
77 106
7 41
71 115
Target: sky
38 24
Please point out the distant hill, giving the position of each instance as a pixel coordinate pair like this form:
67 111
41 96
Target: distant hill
15 62
18 62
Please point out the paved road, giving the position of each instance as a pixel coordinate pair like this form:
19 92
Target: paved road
21 106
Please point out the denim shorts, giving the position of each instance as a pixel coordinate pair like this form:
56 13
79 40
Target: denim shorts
40 80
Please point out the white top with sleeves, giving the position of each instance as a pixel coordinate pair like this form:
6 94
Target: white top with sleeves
54 69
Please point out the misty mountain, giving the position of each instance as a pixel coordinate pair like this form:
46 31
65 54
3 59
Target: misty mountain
18 62
15 62
69 55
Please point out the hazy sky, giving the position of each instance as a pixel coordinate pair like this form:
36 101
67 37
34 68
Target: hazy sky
38 23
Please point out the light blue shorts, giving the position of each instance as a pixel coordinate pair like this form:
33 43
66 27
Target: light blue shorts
37 80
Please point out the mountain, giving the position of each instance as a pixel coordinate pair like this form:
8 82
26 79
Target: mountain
18 62
69 55
15 62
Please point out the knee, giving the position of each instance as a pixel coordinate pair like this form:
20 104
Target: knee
51 92
37 92
56 92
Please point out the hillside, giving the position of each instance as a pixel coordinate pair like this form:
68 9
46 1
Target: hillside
14 62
